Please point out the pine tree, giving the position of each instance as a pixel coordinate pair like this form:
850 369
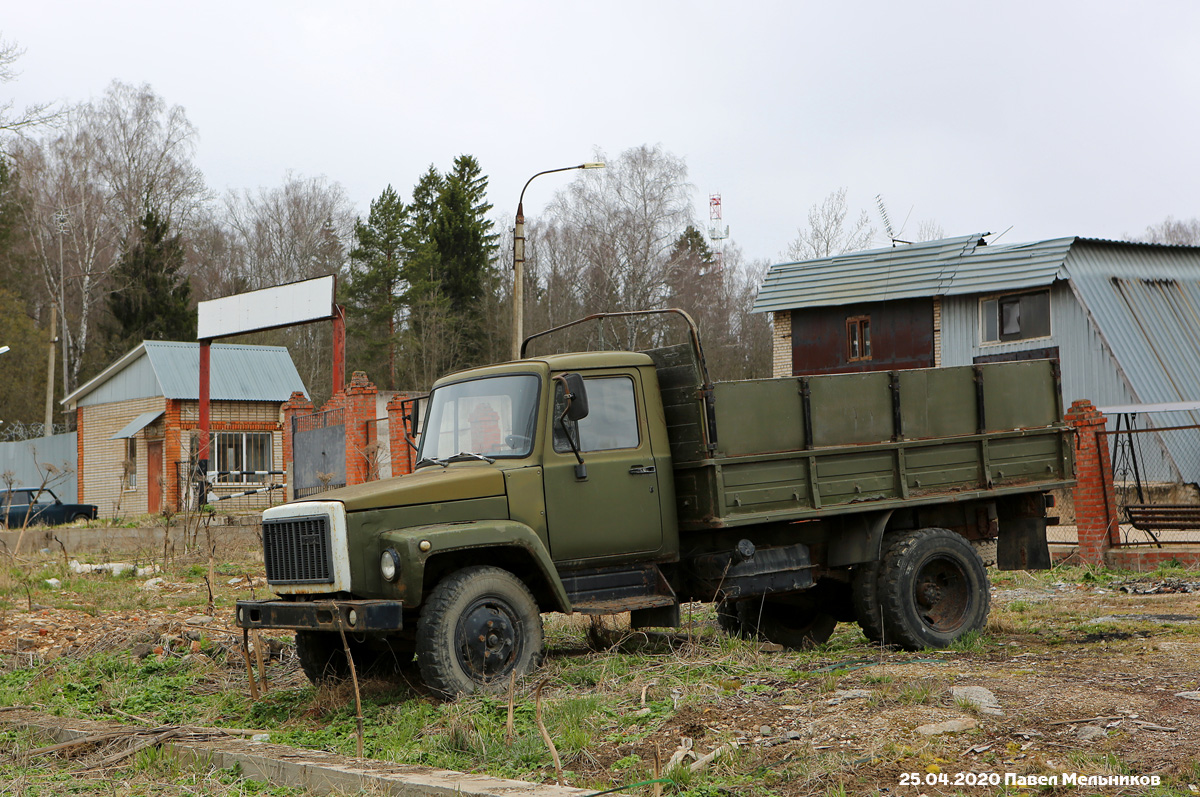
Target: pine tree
153 301
373 290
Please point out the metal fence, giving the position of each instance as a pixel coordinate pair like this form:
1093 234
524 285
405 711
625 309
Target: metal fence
1154 469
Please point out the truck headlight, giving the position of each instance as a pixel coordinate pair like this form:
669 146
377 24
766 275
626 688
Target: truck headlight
389 564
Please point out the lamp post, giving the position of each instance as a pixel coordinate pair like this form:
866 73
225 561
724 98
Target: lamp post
518 310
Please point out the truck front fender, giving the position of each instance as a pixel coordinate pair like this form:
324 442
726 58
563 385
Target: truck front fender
452 546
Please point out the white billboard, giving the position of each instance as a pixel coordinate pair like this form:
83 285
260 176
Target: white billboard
269 308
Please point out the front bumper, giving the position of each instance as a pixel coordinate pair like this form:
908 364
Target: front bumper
325 615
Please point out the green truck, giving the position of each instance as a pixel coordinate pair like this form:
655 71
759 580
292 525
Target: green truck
606 482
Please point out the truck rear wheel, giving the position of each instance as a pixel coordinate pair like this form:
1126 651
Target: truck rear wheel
478 626
323 658
799 624
933 589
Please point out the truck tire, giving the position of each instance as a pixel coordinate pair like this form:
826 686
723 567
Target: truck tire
933 589
864 593
323 658
479 625
799 624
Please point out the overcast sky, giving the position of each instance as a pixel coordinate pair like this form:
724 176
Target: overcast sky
1052 118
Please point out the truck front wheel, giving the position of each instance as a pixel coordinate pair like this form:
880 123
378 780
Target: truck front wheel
933 589
478 626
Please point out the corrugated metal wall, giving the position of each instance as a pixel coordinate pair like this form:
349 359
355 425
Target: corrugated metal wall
22 457
1088 368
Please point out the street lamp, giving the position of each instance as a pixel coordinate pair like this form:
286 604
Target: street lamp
518 311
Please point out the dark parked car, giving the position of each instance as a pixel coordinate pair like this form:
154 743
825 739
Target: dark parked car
41 506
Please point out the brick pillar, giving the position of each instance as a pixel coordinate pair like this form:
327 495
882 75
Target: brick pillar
172 454
359 411
781 343
401 454
1095 499
297 404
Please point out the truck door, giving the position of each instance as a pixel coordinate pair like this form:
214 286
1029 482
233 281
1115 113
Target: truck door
615 510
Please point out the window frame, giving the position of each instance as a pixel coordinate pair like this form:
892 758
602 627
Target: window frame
243 479
998 301
858 338
130 470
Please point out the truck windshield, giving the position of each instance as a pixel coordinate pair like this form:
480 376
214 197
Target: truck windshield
493 416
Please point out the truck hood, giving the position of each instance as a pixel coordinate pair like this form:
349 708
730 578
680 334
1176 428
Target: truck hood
427 486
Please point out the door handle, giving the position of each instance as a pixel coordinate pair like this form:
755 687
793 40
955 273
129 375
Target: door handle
641 470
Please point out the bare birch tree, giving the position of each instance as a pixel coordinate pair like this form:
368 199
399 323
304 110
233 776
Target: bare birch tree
86 186
831 230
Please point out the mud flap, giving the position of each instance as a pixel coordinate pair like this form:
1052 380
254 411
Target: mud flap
1022 545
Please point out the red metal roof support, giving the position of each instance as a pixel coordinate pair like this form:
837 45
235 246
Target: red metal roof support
339 348
202 456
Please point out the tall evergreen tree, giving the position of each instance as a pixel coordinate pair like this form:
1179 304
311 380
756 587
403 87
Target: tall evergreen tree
448 247
152 301
465 245
373 291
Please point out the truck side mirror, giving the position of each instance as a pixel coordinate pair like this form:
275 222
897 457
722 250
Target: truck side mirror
576 396
412 417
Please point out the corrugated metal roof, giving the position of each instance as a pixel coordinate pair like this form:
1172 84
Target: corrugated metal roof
946 267
137 424
237 372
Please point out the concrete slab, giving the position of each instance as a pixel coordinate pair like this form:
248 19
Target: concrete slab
318 772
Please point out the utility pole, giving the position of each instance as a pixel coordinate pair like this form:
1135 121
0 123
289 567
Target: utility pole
63 222
49 430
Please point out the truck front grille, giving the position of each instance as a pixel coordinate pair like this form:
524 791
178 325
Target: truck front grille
298 550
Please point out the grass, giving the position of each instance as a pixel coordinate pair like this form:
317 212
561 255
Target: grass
594 709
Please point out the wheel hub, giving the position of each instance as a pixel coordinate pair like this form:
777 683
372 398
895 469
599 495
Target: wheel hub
943 594
928 594
488 640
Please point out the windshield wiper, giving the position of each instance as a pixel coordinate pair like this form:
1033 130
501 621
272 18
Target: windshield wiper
430 461
461 455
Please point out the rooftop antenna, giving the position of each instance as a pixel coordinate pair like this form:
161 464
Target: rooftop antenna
887 222
1001 235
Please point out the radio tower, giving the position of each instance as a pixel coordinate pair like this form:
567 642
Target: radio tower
716 232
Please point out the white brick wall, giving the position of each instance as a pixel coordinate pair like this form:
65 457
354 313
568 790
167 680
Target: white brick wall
102 469
781 343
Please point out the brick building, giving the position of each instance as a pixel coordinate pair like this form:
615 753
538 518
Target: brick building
137 422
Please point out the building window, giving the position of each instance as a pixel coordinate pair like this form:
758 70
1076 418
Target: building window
241 455
130 463
1015 317
858 338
